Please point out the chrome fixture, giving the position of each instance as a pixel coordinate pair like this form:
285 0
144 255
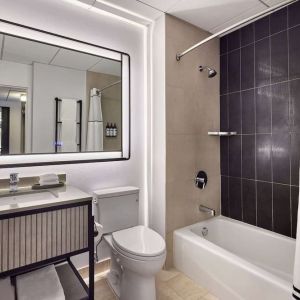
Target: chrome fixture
13 182
236 26
201 180
207 210
211 72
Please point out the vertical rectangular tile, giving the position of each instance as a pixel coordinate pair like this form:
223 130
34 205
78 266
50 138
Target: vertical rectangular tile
224 147
262 62
294 14
234 72
247 67
263 157
294 50
248 112
278 20
295 203
224 196
249 201
295 157
73 229
223 74
223 44
235 156
23 241
235 112
247 34
234 40
281 158
264 205
295 105
263 106
248 156
280 108
262 28
77 225
81 225
279 57
224 113
281 209
235 198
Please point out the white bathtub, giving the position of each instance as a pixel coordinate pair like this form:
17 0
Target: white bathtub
236 260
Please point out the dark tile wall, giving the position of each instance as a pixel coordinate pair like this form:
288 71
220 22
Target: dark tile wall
260 100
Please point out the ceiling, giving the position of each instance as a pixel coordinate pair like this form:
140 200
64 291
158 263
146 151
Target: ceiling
11 94
211 15
27 52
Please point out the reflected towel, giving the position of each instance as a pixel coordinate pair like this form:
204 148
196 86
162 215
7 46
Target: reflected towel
95 136
40 284
68 132
48 179
94 141
95 111
296 281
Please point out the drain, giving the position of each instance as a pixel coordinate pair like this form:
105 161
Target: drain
204 231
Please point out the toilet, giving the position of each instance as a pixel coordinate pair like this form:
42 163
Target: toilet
137 252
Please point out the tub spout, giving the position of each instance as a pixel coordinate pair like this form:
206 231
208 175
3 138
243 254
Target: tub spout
207 210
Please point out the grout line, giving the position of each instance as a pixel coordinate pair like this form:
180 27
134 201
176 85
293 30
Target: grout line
262 86
290 120
255 158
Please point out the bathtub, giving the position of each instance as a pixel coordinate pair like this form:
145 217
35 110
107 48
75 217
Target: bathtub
235 260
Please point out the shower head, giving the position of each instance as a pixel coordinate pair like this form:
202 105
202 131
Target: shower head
211 72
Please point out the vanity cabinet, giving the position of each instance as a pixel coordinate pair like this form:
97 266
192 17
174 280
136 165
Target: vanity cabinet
33 238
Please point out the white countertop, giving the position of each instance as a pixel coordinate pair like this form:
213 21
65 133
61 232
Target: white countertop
59 196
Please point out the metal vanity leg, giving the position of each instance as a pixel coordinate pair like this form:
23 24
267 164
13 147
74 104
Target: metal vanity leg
91 253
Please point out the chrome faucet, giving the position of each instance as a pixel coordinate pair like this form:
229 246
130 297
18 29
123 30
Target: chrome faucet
13 182
207 210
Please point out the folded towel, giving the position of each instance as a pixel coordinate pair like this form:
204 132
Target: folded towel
7 290
48 179
42 284
296 286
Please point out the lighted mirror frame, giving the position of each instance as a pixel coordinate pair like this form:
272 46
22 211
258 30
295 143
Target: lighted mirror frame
26 160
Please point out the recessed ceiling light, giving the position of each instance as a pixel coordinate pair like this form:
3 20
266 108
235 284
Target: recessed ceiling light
23 97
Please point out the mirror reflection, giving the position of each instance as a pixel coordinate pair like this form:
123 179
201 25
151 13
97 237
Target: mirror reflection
57 100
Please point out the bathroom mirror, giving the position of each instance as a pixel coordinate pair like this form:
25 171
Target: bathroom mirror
61 100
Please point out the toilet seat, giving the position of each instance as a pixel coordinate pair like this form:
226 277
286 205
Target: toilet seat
139 242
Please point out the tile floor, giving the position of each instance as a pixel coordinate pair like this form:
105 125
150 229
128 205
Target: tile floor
171 285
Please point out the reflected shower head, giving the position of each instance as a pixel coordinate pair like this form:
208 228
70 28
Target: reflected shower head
211 72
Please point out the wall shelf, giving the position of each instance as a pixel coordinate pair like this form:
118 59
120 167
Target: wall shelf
222 133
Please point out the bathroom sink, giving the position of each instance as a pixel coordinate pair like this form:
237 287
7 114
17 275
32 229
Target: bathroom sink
25 197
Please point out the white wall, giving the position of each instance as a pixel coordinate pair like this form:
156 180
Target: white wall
65 19
19 75
50 82
157 205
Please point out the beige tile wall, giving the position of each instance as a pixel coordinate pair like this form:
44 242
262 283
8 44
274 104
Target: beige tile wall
192 109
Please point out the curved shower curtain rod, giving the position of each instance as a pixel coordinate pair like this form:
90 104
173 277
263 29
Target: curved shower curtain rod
243 22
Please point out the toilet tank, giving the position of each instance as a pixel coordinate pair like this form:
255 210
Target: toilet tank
116 208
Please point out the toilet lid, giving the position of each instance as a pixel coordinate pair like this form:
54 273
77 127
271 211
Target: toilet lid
140 241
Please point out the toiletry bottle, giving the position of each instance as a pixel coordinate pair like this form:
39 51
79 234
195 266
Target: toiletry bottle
111 130
107 130
115 129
